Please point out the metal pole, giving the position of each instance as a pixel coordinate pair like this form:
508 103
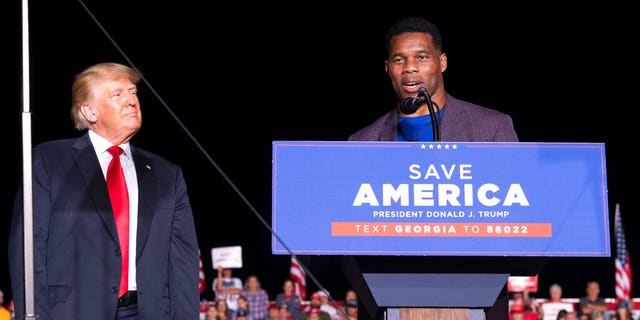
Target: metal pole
27 182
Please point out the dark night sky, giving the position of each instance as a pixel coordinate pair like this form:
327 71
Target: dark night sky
238 76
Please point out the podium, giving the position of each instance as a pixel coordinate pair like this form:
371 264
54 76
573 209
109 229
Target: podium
411 288
434 230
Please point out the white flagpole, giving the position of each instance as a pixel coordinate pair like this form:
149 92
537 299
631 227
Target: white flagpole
26 168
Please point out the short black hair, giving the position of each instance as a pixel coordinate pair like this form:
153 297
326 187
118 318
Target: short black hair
414 24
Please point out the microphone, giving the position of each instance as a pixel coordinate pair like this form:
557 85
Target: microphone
411 105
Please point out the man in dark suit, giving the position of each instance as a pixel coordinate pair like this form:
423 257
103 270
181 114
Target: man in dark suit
80 251
415 61
415 65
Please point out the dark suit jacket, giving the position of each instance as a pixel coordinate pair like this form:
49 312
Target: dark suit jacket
76 250
461 122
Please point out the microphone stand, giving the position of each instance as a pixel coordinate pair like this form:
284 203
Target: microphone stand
435 126
411 105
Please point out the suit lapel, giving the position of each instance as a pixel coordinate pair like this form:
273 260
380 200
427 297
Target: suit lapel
389 128
146 193
453 118
89 166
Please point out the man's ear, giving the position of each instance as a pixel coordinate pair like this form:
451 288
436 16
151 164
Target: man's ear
88 112
443 62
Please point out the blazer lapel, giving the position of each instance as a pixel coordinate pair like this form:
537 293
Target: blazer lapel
389 130
146 191
89 166
453 118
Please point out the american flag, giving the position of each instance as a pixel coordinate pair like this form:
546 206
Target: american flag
299 277
202 283
623 263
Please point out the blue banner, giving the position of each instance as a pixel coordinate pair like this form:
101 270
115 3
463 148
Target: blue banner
450 199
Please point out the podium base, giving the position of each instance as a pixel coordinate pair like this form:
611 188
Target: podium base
434 314
461 290
470 288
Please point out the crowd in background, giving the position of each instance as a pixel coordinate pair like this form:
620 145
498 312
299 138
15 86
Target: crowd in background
247 300
236 299
6 308
591 306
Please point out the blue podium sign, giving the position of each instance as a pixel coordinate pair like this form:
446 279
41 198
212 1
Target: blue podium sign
449 199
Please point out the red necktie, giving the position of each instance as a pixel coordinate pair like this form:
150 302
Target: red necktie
120 204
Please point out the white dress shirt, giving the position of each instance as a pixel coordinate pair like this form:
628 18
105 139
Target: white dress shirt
100 145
